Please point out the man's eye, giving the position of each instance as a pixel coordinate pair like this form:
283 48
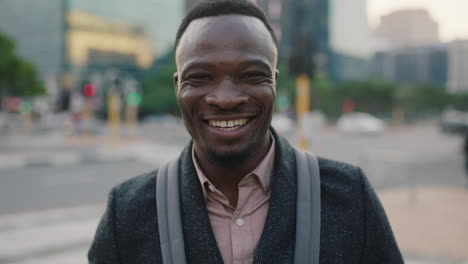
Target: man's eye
253 75
256 77
197 80
204 77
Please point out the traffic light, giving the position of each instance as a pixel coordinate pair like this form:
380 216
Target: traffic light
25 107
89 90
133 99
348 105
301 60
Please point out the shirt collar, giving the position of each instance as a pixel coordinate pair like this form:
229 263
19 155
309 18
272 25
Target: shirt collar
263 172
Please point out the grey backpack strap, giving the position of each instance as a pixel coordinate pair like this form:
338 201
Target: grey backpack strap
169 217
308 213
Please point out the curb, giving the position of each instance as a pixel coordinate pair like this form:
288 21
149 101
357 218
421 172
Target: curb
58 159
143 152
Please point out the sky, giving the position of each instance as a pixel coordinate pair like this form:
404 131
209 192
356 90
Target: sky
452 15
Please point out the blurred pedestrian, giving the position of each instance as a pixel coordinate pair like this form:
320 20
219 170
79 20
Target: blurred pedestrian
239 192
465 152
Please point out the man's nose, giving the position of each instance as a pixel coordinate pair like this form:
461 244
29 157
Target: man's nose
226 95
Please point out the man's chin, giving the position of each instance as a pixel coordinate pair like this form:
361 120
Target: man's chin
228 159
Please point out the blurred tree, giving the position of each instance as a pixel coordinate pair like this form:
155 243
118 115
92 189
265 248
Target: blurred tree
7 48
286 82
373 96
421 100
158 90
460 101
17 76
324 96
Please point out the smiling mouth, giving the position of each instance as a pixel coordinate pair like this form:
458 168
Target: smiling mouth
228 125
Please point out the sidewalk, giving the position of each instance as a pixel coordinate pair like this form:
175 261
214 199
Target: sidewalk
430 222
51 236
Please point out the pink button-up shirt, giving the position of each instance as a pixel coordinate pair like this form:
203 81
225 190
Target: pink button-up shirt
238 230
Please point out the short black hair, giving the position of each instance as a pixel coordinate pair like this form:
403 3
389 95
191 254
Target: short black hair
208 8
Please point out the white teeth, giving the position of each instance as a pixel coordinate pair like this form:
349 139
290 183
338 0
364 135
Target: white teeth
228 124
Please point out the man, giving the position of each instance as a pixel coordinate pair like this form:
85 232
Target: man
238 178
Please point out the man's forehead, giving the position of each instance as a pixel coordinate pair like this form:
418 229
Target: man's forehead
235 32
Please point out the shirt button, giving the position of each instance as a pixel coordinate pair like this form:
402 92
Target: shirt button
240 221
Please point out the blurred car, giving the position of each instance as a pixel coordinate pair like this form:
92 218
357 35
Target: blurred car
454 121
360 123
9 121
162 120
282 124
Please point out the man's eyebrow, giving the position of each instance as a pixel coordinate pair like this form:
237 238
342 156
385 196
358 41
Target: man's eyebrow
196 64
201 64
257 62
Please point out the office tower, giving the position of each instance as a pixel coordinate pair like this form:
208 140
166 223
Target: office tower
406 29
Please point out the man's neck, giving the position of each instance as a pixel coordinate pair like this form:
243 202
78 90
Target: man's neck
227 179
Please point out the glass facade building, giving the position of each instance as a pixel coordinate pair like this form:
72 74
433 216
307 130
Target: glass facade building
37 27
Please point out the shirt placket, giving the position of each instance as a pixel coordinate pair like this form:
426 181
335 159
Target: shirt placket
241 235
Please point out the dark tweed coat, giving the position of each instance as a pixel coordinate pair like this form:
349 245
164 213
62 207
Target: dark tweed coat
354 229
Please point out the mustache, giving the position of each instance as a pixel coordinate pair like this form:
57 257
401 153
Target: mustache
228 113
240 110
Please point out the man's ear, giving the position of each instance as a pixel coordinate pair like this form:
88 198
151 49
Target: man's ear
176 82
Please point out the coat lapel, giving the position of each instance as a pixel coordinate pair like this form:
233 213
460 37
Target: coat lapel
199 240
278 237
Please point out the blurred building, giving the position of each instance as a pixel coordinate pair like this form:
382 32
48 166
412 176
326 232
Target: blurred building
425 64
305 39
458 66
95 41
273 9
38 29
443 64
338 32
350 40
405 29
61 40
82 36
159 18
328 36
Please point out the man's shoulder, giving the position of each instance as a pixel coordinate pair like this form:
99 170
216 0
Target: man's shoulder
338 169
340 178
130 222
135 191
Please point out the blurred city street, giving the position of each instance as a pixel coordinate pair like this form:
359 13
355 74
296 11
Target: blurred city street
55 186
87 101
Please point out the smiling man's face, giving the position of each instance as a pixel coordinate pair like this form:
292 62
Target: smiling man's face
226 86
